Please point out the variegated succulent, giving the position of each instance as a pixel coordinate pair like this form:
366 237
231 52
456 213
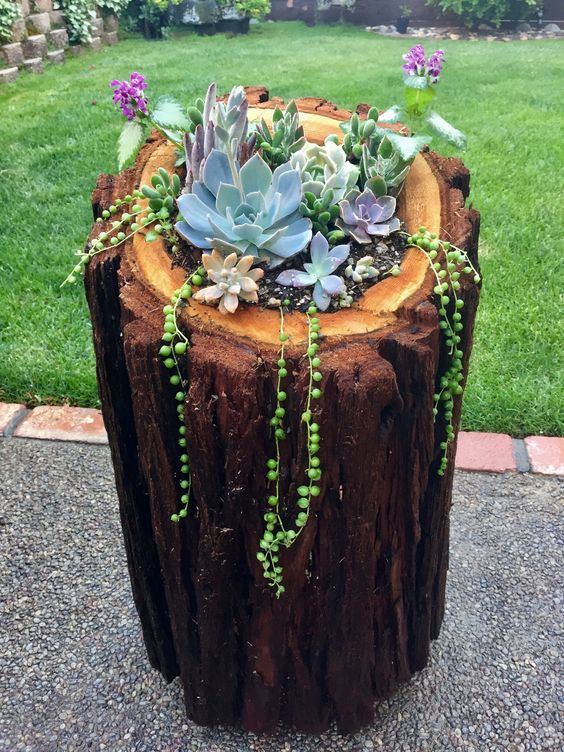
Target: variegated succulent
220 125
233 280
249 210
319 272
365 216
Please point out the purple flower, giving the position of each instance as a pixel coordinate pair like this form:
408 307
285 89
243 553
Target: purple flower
417 65
129 95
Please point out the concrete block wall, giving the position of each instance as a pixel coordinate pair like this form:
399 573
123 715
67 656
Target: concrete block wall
39 35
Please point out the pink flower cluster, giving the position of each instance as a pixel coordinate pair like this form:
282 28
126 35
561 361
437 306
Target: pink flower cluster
417 65
129 95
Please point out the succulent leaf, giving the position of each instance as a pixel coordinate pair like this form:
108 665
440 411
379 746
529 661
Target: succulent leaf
365 216
318 272
233 280
254 212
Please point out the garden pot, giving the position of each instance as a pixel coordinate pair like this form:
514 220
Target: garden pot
235 25
206 29
365 583
402 24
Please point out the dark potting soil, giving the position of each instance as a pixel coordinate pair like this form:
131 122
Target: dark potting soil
386 252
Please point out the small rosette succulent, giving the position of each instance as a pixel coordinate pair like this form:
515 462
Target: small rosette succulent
319 272
364 216
249 210
363 269
233 280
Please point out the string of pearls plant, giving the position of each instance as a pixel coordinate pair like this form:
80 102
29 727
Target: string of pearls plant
175 345
277 533
448 264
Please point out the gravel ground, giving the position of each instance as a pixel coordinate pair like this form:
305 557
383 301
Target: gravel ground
73 672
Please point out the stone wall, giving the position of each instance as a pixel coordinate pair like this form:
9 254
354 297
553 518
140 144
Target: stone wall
39 35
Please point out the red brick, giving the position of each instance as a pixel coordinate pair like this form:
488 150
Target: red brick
486 452
9 412
63 424
546 454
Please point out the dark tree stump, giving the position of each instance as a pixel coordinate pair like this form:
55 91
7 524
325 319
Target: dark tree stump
365 584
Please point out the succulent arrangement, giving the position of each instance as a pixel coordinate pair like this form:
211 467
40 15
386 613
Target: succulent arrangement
261 207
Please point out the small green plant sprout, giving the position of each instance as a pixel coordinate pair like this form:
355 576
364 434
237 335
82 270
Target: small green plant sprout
421 76
287 135
448 264
167 116
362 270
233 280
405 11
248 210
277 533
175 345
319 272
344 300
365 216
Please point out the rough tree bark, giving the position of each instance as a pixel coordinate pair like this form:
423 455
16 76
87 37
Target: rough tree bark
365 584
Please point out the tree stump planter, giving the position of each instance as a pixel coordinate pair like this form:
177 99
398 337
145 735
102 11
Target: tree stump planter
365 583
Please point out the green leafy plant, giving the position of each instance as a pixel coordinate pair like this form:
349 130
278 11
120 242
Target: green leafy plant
405 11
493 12
78 15
252 8
112 7
9 12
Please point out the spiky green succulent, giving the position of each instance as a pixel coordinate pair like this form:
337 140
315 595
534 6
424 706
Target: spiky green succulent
248 210
285 138
384 169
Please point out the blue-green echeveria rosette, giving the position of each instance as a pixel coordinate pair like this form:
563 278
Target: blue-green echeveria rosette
248 210
319 272
364 216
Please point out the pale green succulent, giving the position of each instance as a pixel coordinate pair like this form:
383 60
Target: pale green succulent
384 167
325 168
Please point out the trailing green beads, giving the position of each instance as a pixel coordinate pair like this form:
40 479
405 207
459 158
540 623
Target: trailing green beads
277 533
447 263
158 211
177 344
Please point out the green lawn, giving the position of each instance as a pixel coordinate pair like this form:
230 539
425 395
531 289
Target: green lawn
59 130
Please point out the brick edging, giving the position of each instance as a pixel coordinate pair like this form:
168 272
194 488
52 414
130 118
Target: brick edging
482 452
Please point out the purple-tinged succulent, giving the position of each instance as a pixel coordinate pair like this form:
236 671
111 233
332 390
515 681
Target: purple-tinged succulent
364 217
129 96
417 65
318 272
